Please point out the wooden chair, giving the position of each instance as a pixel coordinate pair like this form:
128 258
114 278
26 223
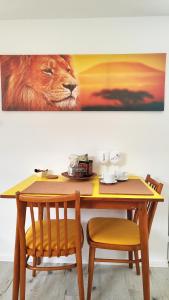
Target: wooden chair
118 234
49 237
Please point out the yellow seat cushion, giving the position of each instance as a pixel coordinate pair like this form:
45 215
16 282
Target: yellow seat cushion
71 233
114 231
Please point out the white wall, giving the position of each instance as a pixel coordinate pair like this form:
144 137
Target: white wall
45 139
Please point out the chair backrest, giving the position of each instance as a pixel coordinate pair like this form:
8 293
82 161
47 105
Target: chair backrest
37 204
151 205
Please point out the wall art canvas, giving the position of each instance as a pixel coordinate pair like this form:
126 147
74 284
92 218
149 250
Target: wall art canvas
95 82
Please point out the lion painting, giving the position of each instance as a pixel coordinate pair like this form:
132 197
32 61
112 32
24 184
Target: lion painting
38 82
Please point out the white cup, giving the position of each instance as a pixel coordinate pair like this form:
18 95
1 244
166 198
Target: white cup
122 175
108 178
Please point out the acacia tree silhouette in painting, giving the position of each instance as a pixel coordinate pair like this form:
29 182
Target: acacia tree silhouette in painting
125 96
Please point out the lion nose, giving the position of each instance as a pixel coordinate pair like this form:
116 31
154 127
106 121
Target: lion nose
70 87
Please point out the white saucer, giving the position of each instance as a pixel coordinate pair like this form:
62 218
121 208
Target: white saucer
102 181
122 179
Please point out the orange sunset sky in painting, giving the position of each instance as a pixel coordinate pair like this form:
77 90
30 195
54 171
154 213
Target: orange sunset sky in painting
120 81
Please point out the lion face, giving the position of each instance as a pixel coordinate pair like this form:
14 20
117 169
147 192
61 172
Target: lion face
39 82
53 77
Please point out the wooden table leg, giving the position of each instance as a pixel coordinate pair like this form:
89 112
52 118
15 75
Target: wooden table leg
130 253
16 271
143 226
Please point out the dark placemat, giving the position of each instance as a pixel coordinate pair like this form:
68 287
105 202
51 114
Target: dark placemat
60 188
129 187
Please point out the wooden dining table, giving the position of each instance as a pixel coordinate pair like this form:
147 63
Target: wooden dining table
97 200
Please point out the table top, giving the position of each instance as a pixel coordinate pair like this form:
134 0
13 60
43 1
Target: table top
10 193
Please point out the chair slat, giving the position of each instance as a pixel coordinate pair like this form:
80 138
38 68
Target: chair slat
48 228
57 228
40 217
65 228
33 228
151 213
40 211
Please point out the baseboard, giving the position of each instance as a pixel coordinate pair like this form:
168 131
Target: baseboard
159 264
6 258
153 264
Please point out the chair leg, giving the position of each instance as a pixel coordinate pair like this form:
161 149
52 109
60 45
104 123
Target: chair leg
22 277
130 255
137 262
16 271
35 261
80 274
90 271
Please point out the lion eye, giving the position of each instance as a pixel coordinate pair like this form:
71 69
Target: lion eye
48 71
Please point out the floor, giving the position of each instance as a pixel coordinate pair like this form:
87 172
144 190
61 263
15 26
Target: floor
110 283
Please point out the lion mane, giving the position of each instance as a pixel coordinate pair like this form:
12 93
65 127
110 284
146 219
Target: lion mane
38 82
